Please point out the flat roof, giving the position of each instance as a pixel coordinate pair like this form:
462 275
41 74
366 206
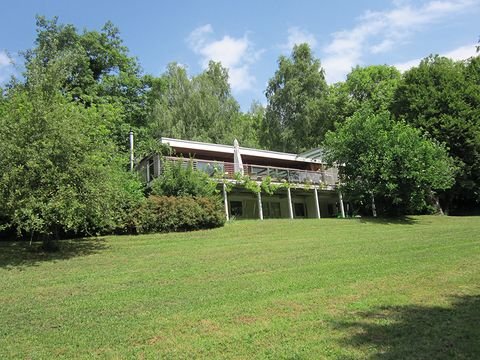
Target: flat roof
228 149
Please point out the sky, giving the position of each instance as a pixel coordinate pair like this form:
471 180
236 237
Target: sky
247 36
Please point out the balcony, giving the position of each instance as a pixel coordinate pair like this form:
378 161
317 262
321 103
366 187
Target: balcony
326 178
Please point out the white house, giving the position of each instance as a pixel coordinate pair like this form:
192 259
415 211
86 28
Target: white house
312 191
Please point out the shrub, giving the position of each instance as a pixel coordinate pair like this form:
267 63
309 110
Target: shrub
169 213
179 178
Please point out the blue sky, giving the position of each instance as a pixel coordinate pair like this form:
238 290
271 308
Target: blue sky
248 36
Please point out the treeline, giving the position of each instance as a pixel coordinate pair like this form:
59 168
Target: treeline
64 143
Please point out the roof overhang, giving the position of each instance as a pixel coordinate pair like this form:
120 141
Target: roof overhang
228 149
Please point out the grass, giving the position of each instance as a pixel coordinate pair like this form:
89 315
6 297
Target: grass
275 289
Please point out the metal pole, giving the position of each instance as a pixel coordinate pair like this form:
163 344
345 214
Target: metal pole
317 205
225 200
260 208
342 209
290 209
131 150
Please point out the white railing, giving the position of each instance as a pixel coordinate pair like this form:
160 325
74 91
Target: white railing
260 172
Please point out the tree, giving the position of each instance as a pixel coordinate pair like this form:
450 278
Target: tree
60 172
373 86
441 98
247 126
370 87
201 108
388 160
100 70
296 95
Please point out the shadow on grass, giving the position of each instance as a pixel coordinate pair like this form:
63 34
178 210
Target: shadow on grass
21 254
419 332
403 220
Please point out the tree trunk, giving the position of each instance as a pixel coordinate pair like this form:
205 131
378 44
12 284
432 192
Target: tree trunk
50 244
436 203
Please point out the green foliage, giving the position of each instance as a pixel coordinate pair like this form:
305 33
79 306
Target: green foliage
442 98
179 178
371 87
97 70
269 188
201 108
248 183
184 213
390 160
256 187
296 97
247 126
59 171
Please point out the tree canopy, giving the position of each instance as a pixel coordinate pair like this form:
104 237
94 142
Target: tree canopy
200 108
295 95
442 98
388 160
59 170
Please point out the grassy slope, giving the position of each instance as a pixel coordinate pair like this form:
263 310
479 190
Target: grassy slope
272 289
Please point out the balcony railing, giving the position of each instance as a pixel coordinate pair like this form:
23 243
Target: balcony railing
260 172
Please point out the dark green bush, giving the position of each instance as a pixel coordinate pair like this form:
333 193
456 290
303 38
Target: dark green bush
184 213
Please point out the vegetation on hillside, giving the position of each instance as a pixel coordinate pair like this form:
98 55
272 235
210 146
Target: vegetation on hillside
64 160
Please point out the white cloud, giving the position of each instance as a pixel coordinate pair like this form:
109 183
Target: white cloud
6 66
298 36
460 53
236 54
4 59
380 31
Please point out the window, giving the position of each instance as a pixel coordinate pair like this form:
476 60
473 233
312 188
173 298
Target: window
330 210
275 210
299 209
236 208
271 210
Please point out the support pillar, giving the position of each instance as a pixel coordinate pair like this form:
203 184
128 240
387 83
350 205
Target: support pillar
342 209
148 172
260 208
132 159
159 165
290 208
317 205
225 201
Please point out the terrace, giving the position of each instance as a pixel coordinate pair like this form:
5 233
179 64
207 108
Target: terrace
327 178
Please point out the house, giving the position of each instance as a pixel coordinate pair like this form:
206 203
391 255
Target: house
309 188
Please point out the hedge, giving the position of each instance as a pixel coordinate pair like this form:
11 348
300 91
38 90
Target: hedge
184 213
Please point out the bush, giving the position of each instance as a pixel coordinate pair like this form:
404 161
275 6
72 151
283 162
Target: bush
179 178
168 213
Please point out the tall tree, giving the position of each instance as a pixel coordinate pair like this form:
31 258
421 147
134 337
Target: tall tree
388 161
371 87
198 108
100 70
442 98
296 95
59 169
247 126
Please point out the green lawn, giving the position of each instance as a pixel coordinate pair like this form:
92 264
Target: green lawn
301 289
